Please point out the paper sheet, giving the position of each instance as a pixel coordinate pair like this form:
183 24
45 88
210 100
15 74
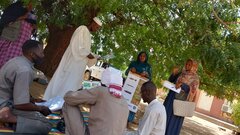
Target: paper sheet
171 86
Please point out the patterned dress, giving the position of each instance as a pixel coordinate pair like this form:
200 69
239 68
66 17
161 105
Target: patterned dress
11 49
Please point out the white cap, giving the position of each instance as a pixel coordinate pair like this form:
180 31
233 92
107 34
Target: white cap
98 21
112 76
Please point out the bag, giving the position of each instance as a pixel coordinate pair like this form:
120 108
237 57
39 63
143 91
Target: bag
183 95
12 31
183 108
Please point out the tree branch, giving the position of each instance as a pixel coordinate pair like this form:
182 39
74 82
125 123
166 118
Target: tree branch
222 22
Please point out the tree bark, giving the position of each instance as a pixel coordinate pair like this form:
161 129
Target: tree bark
58 41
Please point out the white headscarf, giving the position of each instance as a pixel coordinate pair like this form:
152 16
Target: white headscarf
112 78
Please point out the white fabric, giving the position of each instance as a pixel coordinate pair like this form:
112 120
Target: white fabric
153 121
97 20
70 71
53 104
112 76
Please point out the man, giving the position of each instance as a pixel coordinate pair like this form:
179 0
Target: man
70 72
109 111
15 105
154 118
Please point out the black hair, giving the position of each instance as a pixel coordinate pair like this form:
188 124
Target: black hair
138 57
12 13
150 86
29 45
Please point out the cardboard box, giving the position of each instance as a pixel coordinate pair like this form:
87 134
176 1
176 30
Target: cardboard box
131 90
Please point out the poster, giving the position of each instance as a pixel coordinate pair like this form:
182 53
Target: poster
131 90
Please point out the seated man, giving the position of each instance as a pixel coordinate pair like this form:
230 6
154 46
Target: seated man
15 105
154 118
108 113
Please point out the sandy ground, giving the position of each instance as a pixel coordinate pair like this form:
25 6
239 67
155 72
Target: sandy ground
198 126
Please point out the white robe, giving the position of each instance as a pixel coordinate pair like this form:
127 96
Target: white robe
153 121
70 71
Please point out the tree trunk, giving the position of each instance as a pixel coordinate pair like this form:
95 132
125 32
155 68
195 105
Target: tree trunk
58 41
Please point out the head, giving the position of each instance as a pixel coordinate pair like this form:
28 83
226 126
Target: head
148 91
112 78
33 51
194 67
12 13
142 57
188 65
95 25
175 70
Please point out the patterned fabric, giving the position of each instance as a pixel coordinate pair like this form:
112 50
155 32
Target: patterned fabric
191 79
11 49
115 90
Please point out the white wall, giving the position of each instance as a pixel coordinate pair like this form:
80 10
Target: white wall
205 102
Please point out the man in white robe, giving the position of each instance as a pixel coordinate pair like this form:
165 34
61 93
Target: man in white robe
154 118
70 71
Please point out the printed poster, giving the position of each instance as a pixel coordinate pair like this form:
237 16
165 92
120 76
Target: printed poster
131 90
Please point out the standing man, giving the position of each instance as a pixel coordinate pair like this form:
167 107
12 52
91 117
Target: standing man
154 118
15 105
70 71
109 110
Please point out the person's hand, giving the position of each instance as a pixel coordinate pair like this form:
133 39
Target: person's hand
90 56
162 81
178 85
144 74
133 70
44 110
33 100
39 100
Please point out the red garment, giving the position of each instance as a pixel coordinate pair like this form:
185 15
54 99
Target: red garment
11 49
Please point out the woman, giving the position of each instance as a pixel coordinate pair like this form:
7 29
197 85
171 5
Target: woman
16 26
171 94
141 67
189 82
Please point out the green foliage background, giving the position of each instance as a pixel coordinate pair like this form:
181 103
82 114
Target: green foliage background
176 30
236 113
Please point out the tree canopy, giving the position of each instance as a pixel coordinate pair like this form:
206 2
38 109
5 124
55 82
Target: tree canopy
171 31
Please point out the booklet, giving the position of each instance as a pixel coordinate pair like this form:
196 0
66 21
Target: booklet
171 86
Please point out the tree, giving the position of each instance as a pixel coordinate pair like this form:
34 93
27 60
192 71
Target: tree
174 31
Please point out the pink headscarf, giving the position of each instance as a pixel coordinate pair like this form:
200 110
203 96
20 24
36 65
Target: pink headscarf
112 78
190 78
